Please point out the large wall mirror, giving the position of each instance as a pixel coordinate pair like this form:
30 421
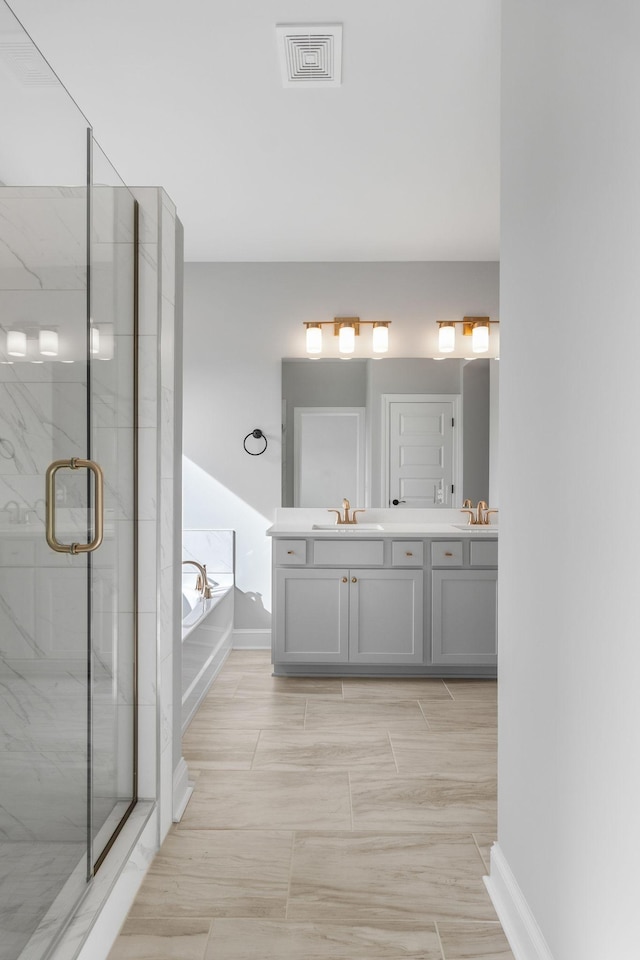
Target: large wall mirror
389 432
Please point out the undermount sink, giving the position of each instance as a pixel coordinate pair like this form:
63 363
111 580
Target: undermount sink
477 527
347 527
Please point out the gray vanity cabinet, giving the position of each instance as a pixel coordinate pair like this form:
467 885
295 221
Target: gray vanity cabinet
349 616
311 616
385 616
384 606
351 613
464 604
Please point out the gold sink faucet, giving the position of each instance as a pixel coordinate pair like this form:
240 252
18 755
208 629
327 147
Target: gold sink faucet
342 518
478 516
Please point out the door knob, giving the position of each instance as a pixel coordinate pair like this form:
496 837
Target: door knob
396 502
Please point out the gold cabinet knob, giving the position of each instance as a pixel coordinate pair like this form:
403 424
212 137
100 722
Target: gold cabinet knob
448 553
409 553
289 552
354 579
345 579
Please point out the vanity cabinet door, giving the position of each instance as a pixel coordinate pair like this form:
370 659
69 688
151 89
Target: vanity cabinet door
311 616
464 617
386 616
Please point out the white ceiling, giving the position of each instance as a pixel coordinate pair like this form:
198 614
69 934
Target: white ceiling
399 163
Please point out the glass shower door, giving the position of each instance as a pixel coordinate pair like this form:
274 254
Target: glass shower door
44 595
68 286
67 610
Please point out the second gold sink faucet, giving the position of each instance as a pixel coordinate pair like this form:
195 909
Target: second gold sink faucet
342 518
478 516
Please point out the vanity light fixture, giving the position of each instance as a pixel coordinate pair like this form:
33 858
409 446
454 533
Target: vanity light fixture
347 329
475 327
480 336
314 338
446 336
16 343
380 336
48 343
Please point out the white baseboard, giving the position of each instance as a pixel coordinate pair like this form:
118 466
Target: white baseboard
182 789
518 922
252 639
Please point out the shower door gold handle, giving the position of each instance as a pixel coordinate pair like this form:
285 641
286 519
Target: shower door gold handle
98 508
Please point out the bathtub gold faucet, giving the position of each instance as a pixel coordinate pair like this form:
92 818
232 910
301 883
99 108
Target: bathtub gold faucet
202 583
342 518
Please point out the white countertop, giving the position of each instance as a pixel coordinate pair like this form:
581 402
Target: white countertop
376 523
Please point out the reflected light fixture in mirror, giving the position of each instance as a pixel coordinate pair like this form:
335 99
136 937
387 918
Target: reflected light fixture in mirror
48 343
16 343
106 342
95 341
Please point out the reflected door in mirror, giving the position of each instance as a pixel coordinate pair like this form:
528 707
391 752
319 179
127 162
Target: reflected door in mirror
329 452
421 453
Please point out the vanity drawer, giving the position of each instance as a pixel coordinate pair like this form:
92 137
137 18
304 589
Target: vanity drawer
446 553
407 553
290 552
484 553
349 552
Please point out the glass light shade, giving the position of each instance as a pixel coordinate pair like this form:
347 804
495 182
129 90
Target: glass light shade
480 338
95 341
48 343
380 338
106 342
16 343
314 339
446 337
347 339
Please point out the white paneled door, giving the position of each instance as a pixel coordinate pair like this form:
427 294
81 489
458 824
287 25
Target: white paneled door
423 459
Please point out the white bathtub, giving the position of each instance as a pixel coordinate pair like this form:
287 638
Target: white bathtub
207 635
196 609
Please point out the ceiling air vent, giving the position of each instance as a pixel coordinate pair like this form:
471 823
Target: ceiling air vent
26 63
310 56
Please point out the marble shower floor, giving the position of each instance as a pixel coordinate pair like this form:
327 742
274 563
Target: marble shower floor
331 820
32 874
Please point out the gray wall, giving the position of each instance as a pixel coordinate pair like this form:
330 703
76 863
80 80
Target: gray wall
569 710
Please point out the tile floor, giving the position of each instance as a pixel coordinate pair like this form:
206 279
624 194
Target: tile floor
331 820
